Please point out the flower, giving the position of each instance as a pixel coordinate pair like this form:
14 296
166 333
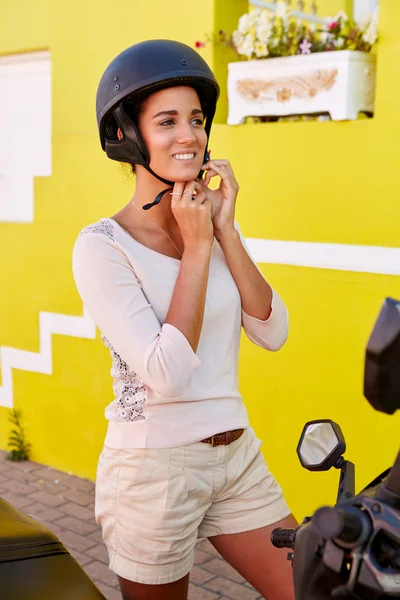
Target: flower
370 34
342 16
237 38
305 47
244 24
260 49
326 37
282 10
264 32
339 43
333 25
253 17
265 19
247 46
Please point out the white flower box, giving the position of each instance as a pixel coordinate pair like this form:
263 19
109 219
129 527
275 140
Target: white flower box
341 83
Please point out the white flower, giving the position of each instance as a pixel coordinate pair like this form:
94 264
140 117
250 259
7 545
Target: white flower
341 15
254 16
265 19
326 37
368 18
282 10
247 46
264 32
260 49
339 43
244 24
237 38
370 35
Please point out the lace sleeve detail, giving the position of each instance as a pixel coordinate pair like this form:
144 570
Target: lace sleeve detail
101 228
130 391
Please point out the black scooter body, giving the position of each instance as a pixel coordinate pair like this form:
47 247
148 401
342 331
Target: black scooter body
34 564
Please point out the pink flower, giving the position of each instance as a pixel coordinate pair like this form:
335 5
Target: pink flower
333 25
200 44
305 47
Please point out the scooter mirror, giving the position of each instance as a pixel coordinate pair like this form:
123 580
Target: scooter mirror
321 445
382 360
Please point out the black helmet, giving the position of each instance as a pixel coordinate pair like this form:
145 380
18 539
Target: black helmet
136 73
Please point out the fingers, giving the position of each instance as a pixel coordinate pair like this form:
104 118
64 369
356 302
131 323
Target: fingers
225 164
188 192
209 175
193 192
178 188
182 193
224 170
218 163
200 195
176 193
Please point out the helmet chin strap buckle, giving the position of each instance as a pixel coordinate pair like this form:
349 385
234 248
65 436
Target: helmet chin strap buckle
160 196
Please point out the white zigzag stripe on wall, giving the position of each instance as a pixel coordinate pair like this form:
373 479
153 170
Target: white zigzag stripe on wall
42 361
339 257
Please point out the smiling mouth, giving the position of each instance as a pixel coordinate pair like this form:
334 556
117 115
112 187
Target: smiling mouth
183 157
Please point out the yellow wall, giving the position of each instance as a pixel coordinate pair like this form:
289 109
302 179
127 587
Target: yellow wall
315 182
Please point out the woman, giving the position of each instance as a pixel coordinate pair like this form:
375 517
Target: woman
170 293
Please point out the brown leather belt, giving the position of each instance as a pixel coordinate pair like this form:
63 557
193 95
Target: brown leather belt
224 439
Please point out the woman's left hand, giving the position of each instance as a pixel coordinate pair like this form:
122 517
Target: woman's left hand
223 198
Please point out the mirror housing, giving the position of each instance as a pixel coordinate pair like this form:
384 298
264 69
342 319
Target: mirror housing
321 445
382 372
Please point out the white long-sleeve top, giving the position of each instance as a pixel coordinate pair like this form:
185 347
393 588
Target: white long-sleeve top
165 394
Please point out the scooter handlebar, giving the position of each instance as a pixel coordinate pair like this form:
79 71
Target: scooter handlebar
344 525
283 538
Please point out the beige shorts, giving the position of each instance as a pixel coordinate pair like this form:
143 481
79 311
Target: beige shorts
153 504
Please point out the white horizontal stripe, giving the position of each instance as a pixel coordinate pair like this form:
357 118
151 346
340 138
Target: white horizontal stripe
341 257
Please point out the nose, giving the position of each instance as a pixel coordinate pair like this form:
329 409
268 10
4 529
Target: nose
186 135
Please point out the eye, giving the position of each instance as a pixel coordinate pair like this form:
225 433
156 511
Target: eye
167 122
198 121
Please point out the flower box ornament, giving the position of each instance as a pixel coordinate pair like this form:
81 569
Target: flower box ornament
292 67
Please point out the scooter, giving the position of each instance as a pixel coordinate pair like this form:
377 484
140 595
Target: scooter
352 550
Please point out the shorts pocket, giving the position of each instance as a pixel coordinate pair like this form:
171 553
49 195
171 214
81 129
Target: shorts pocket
111 466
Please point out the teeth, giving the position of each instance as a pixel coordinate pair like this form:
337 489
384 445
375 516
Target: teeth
184 156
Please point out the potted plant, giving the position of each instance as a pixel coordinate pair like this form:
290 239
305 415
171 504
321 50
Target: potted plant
289 66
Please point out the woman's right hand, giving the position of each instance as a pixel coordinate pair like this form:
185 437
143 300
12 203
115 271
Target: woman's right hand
192 212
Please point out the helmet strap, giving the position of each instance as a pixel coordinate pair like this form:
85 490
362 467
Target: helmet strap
157 200
130 148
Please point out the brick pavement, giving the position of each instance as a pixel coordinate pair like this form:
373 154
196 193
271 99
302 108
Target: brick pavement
65 504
